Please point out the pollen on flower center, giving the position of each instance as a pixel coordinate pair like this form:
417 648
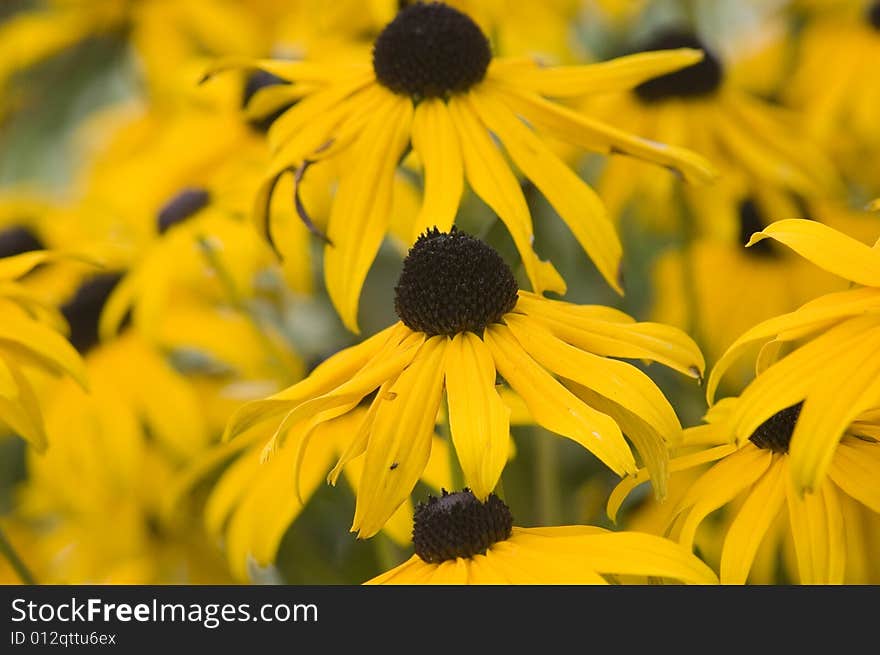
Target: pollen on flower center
873 15
430 50
700 79
459 525
453 283
775 433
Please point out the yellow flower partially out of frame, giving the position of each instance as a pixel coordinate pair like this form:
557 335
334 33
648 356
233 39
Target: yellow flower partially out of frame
461 540
834 367
463 323
447 103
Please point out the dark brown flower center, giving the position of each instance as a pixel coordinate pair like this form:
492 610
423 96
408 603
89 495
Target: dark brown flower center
430 50
775 433
459 525
697 80
453 283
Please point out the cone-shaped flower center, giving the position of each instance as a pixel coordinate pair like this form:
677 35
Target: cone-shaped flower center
750 222
459 525
18 240
181 207
700 79
873 15
430 50
775 433
453 283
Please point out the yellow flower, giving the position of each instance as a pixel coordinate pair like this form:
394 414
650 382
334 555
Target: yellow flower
94 498
461 540
463 323
31 337
758 475
757 146
834 363
235 510
442 93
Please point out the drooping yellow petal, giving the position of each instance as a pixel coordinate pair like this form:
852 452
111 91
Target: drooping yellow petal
328 375
751 524
22 413
812 316
841 393
829 249
615 75
291 70
46 346
793 378
618 381
652 341
855 468
684 462
400 441
718 486
572 198
435 140
633 553
817 527
590 134
478 419
491 179
555 407
360 214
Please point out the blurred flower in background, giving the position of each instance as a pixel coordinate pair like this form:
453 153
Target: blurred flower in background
202 200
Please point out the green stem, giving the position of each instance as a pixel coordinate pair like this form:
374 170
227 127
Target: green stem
547 478
15 561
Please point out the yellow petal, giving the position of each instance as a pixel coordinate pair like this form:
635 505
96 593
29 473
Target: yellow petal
22 414
633 553
814 315
720 485
846 389
572 198
614 75
652 341
590 134
360 214
817 527
855 468
400 441
435 140
829 249
478 419
410 572
46 346
491 179
751 524
555 407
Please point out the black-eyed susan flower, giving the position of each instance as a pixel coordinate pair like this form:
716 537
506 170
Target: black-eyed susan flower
833 366
461 540
434 87
756 145
234 512
833 82
31 342
463 323
93 500
733 288
767 509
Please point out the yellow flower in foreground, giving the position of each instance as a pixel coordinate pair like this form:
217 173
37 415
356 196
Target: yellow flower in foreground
463 323
757 474
834 363
434 86
31 336
460 540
